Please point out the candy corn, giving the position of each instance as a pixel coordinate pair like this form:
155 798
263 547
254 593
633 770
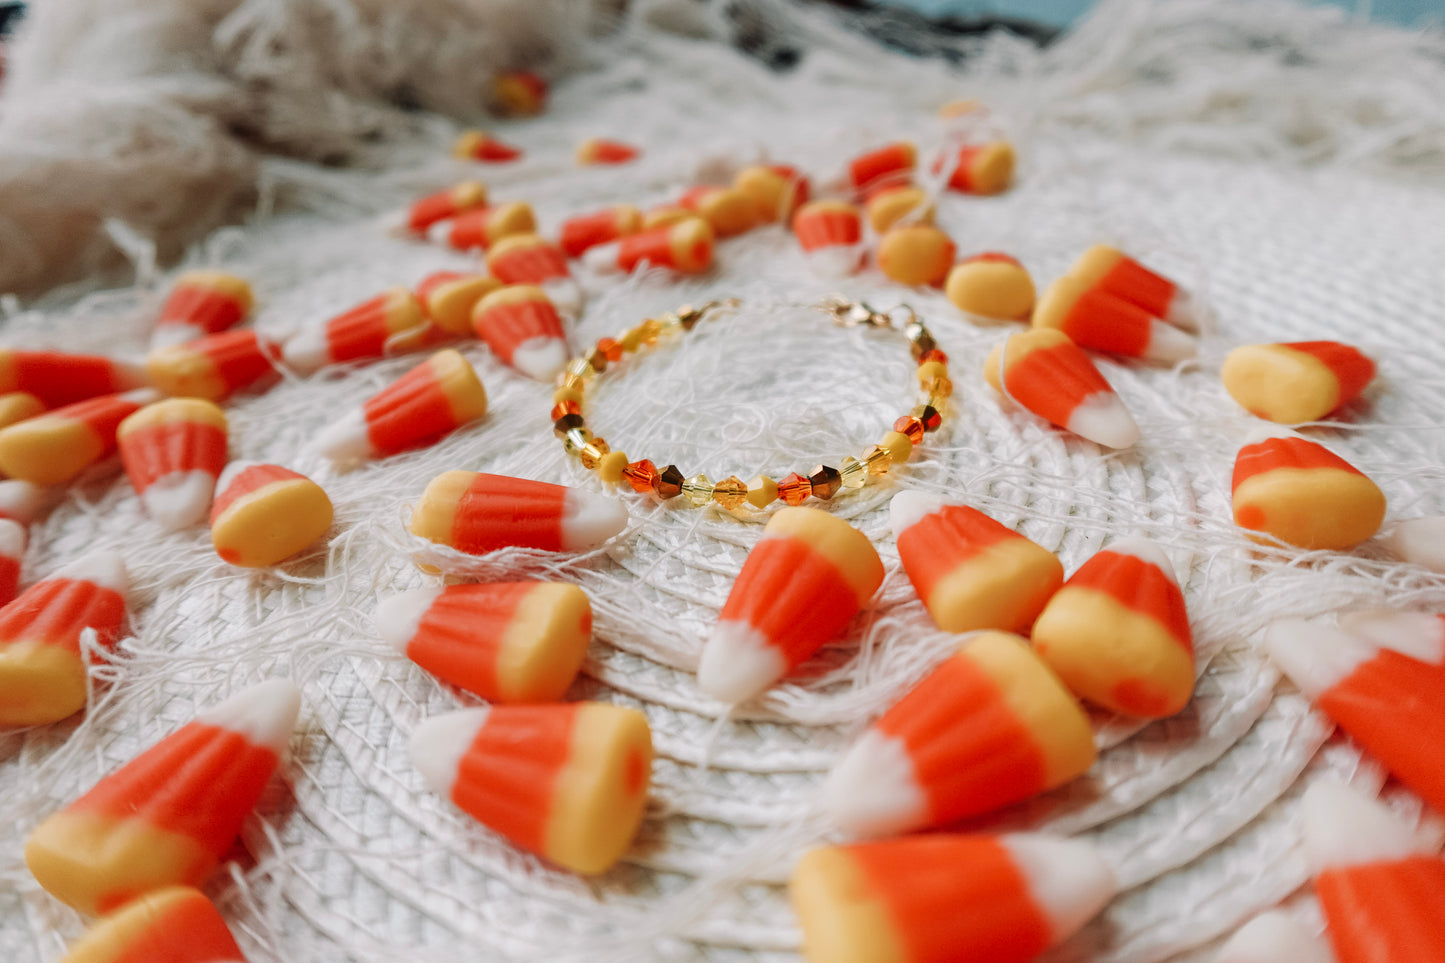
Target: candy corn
448 297
1391 704
528 259
831 234
214 367
916 254
522 327
567 782
520 93
1051 376
1117 632
23 501
1272 937
1420 541
446 204
202 303
173 452
477 513
729 211
685 247
1106 268
176 924
42 671
1291 383
1382 889
599 150
776 190
945 898
801 585
482 227
62 379
264 514
1420 635
506 641
53 448
666 216
982 168
390 323
1096 319
428 402
478 145
18 406
990 726
167 817
13 539
586 231
991 285
899 205
888 166
970 571
1304 494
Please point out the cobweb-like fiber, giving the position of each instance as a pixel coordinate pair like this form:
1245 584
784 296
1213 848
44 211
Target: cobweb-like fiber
1279 162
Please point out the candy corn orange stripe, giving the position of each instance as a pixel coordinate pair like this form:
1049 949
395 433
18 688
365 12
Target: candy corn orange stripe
1145 590
936 545
589 230
536 521
250 480
1386 912
363 331
412 412
1351 368
468 661
818 604
59 379
877 168
1107 323
1275 453
205 308
827 228
1051 382
239 357
506 325
54 612
1137 284
528 263
184 928
191 445
508 775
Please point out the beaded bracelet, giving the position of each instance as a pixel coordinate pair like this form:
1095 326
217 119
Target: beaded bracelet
822 482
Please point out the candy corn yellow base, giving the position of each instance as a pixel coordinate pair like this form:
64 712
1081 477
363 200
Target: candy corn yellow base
273 523
39 684
842 920
545 643
1280 384
1003 587
48 450
181 372
434 514
601 792
1316 508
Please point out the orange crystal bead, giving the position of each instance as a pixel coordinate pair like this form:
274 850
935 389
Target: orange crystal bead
730 493
928 416
911 427
795 489
611 348
933 354
565 408
641 475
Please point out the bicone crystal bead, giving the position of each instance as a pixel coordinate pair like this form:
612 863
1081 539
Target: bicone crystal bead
795 489
877 460
668 482
928 416
852 472
631 339
597 360
611 348
563 408
937 387
569 393
910 426
641 475
698 489
580 368
933 355
591 453
576 440
649 330
919 340
730 493
762 491
566 423
825 481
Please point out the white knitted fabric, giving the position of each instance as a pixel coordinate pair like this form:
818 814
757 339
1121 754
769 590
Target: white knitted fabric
1279 162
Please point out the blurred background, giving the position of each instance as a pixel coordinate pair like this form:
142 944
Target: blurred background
1060 13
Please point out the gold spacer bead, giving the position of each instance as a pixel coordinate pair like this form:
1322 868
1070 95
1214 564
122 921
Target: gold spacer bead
697 490
762 491
730 493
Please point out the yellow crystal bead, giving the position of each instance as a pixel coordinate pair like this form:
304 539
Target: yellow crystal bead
931 369
649 331
878 460
937 388
581 367
939 400
899 446
631 339
591 453
762 491
567 393
611 467
730 493
697 489
567 381
853 474
576 439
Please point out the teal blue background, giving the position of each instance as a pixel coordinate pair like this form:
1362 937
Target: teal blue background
1060 13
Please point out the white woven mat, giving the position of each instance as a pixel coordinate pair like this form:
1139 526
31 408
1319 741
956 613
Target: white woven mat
350 857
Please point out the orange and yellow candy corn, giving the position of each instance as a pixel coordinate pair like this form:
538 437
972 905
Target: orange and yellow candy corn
173 452
504 641
390 323
1271 937
444 205
522 327
448 298
729 211
991 285
13 539
916 254
264 514
422 406
477 513
970 571
831 234
167 817
520 93
1389 703
1303 494
947 898
16 406
667 215
480 228
601 151
567 782
888 166
685 247
214 367
59 379
800 586
176 924
1109 269
42 670
982 168
1096 319
1420 541
1291 383
1051 376
478 145
53 448
1381 887
990 726
528 259
894 206
776 190
202 303
585 231
1118 635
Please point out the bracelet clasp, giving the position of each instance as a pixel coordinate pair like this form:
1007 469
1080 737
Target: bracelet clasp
853 314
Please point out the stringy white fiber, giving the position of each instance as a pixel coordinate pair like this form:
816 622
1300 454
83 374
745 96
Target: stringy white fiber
1283 163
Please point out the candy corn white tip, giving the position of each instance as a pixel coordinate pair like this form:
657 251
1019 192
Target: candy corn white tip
170 335
1314 656
141 396
1272 937
602 258
1345 828
540 358
102 567
180 499
1145 550
306 352
12 538
1420 635
438 745
590 520
1103 419
22 500
909 507
738 663
1182 313
835 263
565 295
346 441
1420 541
399 616
1068 878
873 791
131 374
1168 344
265 714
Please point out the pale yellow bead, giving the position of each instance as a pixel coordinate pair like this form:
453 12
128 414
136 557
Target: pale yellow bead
762 491
610 468
899 446
697 489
